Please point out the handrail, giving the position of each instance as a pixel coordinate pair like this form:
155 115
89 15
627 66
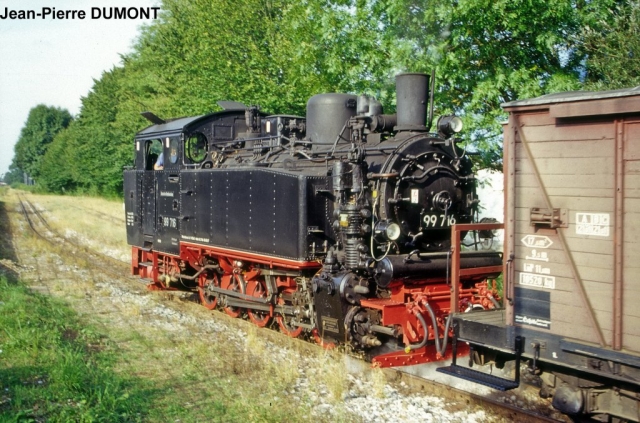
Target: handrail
456 272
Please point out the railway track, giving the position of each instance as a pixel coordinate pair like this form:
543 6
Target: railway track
116 269
41 227
99 214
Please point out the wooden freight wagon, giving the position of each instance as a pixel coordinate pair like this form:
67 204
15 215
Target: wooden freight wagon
572 199
572 253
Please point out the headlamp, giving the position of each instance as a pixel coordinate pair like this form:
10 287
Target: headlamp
389 230
449 125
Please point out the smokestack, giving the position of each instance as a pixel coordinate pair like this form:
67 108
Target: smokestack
412 93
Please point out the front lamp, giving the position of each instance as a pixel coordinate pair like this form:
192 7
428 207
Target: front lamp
449 125
389 230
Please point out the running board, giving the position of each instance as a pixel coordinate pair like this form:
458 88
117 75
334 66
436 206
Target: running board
485 379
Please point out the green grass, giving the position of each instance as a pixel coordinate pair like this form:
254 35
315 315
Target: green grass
74 356
53 368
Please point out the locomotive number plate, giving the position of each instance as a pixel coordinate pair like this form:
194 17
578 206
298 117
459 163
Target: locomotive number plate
436 221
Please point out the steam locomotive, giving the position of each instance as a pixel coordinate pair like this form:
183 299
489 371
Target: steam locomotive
336 226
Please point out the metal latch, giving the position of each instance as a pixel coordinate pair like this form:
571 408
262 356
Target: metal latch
557 218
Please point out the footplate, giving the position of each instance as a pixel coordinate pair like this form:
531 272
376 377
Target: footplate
485 379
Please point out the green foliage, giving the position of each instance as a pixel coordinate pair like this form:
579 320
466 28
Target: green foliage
286 52
612 44
200 52
486 53
43 123
56 173
279 53
90 154
15 175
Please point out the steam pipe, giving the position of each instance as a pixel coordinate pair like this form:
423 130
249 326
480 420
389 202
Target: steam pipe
431 94
194 276
440 348
426 332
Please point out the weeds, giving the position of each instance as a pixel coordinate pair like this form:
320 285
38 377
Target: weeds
330 374
378 381
49 372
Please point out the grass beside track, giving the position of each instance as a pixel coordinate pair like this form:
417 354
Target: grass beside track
99 347
55 368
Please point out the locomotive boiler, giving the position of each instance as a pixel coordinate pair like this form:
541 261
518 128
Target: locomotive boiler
335 226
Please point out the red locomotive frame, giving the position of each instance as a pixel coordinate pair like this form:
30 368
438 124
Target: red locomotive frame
407 308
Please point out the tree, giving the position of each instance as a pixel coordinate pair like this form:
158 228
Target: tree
15 175
279 53
57 167
102 135
612 45
203 51
486 53
42 124
90 154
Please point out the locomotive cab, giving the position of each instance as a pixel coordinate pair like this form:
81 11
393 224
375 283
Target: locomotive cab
152 200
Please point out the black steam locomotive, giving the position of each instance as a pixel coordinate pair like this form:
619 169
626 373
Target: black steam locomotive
336 226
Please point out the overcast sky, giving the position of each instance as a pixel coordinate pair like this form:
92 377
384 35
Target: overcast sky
53 61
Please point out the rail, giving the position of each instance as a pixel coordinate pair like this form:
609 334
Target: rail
456 271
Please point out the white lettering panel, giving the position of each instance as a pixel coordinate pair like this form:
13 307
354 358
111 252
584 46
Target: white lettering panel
415 196
538 255
593 224
537 241
538 281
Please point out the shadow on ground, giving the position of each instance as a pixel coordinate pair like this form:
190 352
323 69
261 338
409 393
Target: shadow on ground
8 258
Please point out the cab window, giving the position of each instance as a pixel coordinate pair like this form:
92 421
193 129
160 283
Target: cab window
173 151
153 149
196 148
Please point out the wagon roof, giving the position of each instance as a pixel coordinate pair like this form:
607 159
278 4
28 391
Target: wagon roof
572 96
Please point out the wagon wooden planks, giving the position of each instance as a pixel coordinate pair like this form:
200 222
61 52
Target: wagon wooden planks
578 153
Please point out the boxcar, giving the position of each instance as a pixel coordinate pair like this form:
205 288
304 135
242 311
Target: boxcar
572 254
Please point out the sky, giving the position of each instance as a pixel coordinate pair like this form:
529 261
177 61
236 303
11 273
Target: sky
54 61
